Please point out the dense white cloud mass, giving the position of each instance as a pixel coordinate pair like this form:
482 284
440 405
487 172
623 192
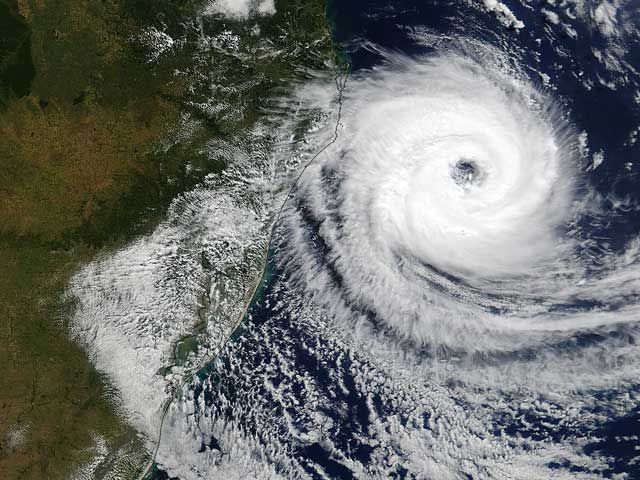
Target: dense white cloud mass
605 17
240 9
503 14
451 208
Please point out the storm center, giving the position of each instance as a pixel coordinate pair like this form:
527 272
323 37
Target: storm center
466 173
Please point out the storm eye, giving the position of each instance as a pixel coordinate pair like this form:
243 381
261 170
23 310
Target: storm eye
466 173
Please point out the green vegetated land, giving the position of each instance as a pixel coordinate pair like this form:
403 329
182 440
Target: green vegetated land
86 165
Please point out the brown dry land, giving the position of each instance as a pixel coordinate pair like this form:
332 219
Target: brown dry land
81 114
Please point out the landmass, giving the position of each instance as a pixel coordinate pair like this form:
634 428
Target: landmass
101 126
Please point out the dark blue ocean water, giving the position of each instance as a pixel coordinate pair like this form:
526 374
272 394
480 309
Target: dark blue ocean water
281 365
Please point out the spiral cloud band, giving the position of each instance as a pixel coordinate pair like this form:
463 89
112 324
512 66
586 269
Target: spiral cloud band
452 211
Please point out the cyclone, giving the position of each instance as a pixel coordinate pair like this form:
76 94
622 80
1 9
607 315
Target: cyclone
453 277
452 291
450 295
454 216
